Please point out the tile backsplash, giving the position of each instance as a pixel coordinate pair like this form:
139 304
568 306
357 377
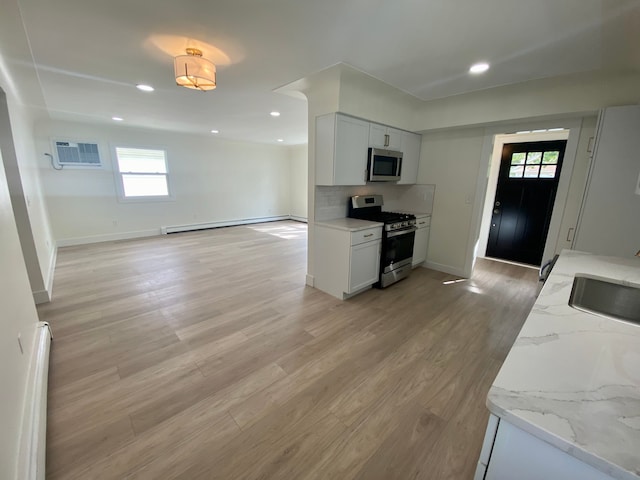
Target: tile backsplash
331 202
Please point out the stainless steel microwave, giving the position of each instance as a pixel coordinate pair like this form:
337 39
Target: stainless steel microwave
384 165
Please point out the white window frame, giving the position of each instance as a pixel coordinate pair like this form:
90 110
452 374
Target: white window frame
120 184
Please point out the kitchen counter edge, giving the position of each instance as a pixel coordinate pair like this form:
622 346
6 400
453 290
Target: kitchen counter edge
538 373
348 224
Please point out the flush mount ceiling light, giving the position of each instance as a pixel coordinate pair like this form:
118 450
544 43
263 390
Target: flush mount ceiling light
479 68
275 114
281 139
215 131
117 119
145 88
194 71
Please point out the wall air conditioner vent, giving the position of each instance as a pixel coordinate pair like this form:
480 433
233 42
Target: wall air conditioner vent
78 154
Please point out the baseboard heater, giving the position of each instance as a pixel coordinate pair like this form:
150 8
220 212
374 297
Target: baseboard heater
35 424
230 223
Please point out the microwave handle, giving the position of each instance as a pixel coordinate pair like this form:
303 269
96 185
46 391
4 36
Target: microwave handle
400 167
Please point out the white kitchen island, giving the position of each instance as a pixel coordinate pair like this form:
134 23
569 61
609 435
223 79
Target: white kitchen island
566 402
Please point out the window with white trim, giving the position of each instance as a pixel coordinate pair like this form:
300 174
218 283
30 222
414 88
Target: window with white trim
143 172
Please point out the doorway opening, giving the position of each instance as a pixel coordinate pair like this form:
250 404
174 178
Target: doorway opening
523 203
523 181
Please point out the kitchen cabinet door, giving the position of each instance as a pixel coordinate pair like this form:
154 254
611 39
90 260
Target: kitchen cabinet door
608 223
364 265
388 138
420 245
341 150
518 454
411 144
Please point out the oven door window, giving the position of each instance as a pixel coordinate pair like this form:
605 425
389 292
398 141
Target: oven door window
385 166
398 248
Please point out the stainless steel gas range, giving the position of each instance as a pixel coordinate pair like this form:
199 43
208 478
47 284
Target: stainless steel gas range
398 236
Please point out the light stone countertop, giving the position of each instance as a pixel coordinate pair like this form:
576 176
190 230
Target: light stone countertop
417 214
572 378
349 224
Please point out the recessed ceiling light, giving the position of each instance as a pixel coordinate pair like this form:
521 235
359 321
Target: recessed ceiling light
145 88
479 67
275 114
281 139
117 119
215 131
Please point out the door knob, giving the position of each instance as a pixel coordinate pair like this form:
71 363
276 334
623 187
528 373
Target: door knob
497 204
496 211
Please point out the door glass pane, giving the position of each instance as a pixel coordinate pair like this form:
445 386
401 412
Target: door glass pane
518 158
531 171
145 185
548 171
533 158
550 157
516 172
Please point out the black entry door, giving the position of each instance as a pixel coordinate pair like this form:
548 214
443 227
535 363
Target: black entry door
527 185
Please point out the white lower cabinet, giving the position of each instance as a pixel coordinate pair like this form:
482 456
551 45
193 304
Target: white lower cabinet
346 262
509 453
421 242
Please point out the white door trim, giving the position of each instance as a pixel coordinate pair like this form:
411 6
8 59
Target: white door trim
494 138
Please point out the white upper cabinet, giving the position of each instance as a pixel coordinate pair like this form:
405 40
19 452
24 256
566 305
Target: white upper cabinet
341 150
381 136
411 143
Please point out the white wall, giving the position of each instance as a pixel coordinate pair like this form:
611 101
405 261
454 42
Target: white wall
18 317
570 95
212 180
298 166
23 104
17 144
451 160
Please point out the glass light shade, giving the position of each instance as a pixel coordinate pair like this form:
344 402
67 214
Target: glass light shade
195 72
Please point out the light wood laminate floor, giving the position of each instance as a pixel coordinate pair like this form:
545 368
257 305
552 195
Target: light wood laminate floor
204 355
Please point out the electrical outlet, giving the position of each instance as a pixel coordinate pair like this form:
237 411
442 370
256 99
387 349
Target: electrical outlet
20 344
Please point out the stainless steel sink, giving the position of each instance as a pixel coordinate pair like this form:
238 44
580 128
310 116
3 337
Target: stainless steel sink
605 298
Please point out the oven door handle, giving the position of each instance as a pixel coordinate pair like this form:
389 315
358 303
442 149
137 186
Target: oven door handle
404 231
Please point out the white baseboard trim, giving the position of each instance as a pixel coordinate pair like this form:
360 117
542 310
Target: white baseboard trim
68 242
34 434
230 223
459 272
298 219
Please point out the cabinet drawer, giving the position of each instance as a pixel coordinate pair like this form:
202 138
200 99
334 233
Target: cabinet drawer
423 222
366 235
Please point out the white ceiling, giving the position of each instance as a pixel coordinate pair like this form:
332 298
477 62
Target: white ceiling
90 54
